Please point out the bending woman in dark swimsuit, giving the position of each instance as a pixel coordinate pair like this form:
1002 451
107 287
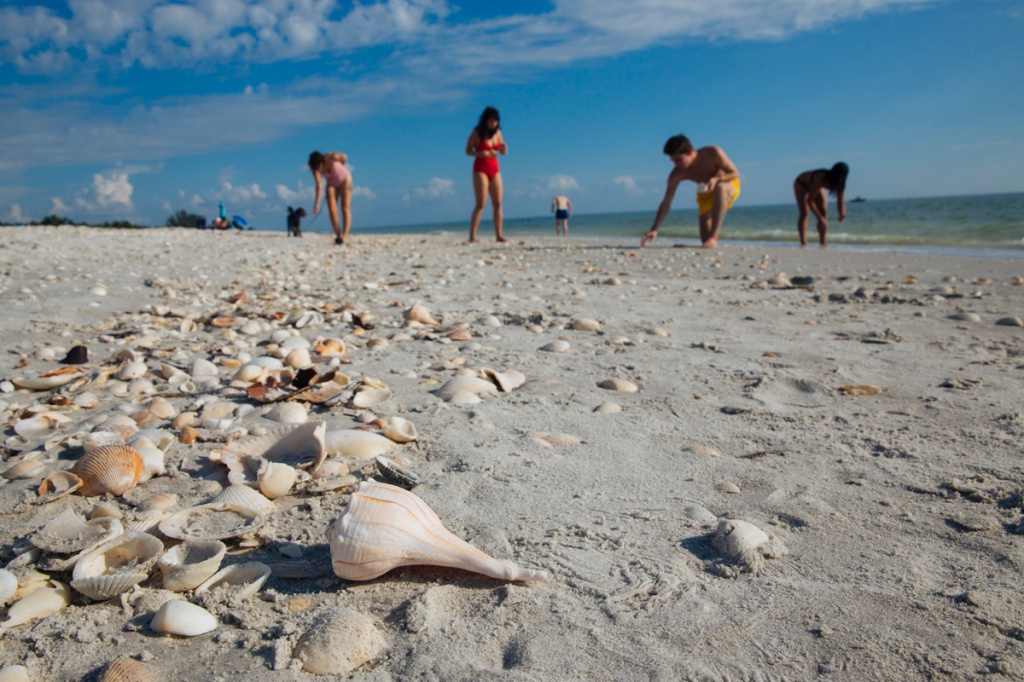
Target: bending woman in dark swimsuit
484 144
809 188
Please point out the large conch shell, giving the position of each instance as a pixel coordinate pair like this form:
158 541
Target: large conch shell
386 527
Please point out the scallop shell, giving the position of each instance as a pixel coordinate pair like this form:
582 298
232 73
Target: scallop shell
162 408
385 527
127 670
8 586
288 413
69 533
159 501
338 642
146 521
135 369
244 496
211 522
113 469
466 384
620 385
557 346
400 430
356 444
97 439
276 479
190 564
420 314
117 565
121 424
181 618
247 577
40 603
464 398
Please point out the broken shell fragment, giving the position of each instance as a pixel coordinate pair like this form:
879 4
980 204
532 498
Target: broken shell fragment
246 578
39 603
505 381
244 496
420 314
190 564
69 533
356 444
385 527
400 430
8 586
182 618
211 522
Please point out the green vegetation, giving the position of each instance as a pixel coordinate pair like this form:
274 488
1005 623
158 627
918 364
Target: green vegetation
182 219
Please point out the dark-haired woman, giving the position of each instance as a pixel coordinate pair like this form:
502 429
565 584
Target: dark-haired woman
809 188
484 144
331 168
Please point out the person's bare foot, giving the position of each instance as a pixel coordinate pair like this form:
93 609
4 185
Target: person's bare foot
501 239
473 241
711 243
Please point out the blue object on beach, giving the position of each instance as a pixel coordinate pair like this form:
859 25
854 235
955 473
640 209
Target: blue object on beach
239 222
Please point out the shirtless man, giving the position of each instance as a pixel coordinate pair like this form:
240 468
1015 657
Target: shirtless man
718 185
562 208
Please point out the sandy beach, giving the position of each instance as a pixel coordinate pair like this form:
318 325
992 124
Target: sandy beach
860 411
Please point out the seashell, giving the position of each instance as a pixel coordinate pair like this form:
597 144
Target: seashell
338 642
1011 321
23 469
385 527
121 424
356 444
301 446
222 409
98 439
620 385
181 618
56 485
146 521
394 473
276 479
585 324
466 384
506 381
248 373
162 408
556 440
330 467
203 368
309 318
464 398
190 564
159 502
248 577
330 347
105 510
400 430
8 586
131 370
40 424
40 603
113 469
127 669
288 413
368 398
244 496
460 335
333 483
85 401
188 435
69 533
297 358
48 380
420 314
779 280
117 565
211 522
608 408
557 346
14 673
860 389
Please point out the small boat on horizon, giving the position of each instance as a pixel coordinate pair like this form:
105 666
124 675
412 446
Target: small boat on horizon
857 200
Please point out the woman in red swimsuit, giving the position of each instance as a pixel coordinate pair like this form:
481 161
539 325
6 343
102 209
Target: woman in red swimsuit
484 144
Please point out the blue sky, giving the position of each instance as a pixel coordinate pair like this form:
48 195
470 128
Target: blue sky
133 109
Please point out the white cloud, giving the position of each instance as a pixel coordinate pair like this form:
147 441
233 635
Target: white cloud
15 215
437 188
563 183
57 206
365 192
628 183
241 195
112 188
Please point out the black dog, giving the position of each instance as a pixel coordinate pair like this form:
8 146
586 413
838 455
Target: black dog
295 217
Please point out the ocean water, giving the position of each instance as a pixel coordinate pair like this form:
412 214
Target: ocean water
977 225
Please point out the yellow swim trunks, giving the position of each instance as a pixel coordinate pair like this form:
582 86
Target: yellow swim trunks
706 200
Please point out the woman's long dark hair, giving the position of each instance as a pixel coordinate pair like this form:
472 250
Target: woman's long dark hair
482 131
836 178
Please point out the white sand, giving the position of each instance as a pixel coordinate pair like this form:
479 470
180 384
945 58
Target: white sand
901 511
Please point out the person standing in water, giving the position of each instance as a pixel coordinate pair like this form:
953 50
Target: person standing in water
718 185
562 208
331 168
809 189
484 144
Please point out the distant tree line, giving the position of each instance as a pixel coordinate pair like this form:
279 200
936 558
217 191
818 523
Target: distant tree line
181 218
